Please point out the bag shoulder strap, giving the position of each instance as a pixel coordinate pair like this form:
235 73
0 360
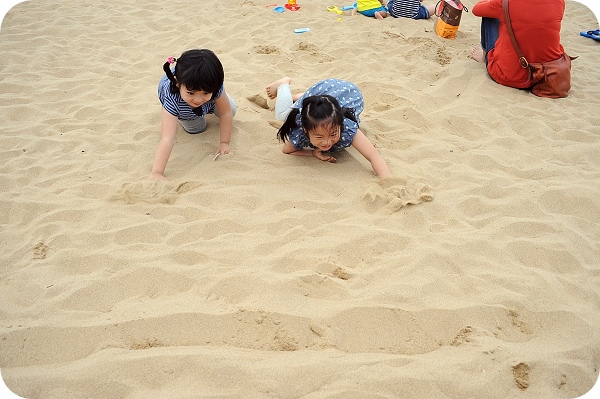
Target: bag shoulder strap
460 5
511 33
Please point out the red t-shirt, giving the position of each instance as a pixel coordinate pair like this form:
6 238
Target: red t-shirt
536 24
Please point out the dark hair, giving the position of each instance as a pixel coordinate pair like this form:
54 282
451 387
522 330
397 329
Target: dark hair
316 111
197 70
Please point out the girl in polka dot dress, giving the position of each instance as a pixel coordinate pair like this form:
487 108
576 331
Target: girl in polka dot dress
322 120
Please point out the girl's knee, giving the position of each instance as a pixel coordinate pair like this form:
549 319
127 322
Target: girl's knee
194 126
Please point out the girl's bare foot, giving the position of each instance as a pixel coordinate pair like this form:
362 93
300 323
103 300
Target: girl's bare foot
478 54
378 15
272 88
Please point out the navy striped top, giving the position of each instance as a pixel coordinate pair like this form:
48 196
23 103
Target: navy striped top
404 8
176 106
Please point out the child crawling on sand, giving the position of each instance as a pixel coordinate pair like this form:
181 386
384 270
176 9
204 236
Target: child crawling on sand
188 92
323 120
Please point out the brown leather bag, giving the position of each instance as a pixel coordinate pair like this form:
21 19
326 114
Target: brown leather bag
548 79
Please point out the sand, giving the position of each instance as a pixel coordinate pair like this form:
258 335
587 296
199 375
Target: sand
473 273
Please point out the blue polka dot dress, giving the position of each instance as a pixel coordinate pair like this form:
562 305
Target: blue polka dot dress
348 95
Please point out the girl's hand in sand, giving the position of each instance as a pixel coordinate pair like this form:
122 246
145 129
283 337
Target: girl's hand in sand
224 148
323 157
157 176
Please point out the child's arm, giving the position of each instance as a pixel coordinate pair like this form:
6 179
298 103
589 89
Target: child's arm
366 148
168 128
225 122
288 148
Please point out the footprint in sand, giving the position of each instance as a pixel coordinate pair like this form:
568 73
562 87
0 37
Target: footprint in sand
341 274
153 192
259 100
40 250
392 35
521 375
395 193
314 51
266 50
516 321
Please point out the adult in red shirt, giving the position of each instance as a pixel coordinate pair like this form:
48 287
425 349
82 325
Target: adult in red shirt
536 24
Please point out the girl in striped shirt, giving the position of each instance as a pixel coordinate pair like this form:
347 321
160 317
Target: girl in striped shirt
188 92
410 9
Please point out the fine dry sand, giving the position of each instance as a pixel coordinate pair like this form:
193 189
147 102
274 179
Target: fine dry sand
473 273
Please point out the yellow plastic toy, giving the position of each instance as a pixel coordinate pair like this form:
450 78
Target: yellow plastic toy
292 6
335 9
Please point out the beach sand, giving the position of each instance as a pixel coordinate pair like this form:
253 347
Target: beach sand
473 273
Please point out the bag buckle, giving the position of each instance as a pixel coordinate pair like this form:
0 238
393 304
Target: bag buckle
523 62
